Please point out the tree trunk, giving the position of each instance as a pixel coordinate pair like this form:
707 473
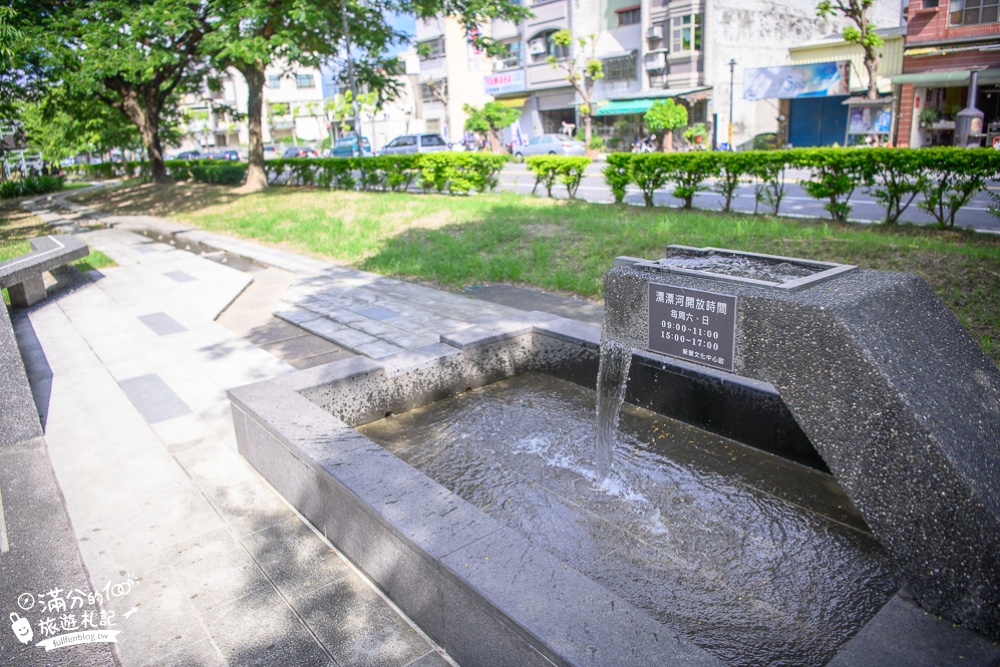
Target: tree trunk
668 141
587 129
256 171
147 121
871 64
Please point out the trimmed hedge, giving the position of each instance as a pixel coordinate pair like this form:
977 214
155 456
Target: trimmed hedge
456 173
568 170
946 177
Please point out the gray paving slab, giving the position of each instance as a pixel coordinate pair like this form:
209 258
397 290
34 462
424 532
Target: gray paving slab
158 493
153 398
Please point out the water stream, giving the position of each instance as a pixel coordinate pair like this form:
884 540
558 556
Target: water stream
612 377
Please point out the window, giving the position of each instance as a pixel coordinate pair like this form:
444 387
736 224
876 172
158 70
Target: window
972 12
514 56
543 46
274 81
612 13
433 91
431 49
304 81
629 16
431 140
685 33
621 68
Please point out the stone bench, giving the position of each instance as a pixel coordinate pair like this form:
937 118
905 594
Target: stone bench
22 276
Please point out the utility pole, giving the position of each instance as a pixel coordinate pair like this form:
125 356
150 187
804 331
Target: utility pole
732 79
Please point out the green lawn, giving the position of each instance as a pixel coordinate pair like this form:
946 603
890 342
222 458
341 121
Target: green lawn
562 246
17 226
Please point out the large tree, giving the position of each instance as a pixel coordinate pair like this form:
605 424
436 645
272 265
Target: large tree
490 121
861 33
664 117
135 56
252 34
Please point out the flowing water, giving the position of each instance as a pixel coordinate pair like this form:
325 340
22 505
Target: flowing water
612 375
758 560
742 266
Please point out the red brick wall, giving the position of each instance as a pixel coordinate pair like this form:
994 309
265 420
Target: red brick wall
961 60
931 25
905 121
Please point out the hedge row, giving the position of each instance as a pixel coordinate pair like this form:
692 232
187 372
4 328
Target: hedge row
456 173
946 177
29 186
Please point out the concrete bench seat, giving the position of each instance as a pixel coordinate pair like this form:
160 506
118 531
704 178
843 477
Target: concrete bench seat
22 276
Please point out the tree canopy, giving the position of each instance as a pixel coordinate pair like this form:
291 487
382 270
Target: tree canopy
665 116
489 120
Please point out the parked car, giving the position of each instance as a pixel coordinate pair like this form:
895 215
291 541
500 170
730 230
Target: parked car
270 152
550 144
229 154
299 151
415 143
348 147
189 155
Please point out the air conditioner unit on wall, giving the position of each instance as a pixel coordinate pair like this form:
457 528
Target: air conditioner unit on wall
536 47
655 61
655 32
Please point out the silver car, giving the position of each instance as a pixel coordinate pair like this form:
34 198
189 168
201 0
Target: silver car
415 143
550 144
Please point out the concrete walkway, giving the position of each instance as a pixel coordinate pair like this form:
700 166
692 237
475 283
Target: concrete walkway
202 563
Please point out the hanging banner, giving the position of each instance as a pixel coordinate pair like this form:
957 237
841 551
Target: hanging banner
791 81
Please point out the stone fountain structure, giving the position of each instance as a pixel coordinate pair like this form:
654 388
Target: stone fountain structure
866 368
892 392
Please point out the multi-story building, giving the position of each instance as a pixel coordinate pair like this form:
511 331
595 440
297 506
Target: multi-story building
293 109
945 41
450 75
692 50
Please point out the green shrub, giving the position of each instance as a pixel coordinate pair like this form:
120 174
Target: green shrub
734 169
768 167
567 170
616 174
956 175
30 186
649 171
689 171
834 176
894 177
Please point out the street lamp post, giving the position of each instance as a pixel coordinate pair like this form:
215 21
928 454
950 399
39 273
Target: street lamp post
732 78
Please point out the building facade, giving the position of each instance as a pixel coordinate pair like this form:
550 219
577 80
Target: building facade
694 51
945 41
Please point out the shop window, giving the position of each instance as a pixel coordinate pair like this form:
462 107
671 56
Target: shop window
972 12
685 33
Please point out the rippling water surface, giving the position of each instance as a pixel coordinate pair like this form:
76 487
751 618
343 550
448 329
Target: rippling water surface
758 560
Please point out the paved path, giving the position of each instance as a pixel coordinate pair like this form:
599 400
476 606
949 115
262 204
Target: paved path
130 373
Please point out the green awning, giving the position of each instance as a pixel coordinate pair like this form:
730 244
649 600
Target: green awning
621 107
933 78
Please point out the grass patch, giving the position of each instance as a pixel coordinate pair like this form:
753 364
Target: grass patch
18 226
561 246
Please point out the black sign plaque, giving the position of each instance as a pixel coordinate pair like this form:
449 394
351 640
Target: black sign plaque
693 325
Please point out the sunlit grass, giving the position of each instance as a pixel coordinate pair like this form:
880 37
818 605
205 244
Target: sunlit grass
564 246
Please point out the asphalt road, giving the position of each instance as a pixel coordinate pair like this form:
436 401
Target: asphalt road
518 178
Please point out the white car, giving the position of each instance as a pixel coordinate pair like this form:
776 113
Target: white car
550 144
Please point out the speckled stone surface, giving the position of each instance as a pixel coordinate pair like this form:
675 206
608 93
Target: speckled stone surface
899 401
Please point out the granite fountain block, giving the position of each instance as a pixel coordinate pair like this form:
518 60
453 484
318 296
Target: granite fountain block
892 392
